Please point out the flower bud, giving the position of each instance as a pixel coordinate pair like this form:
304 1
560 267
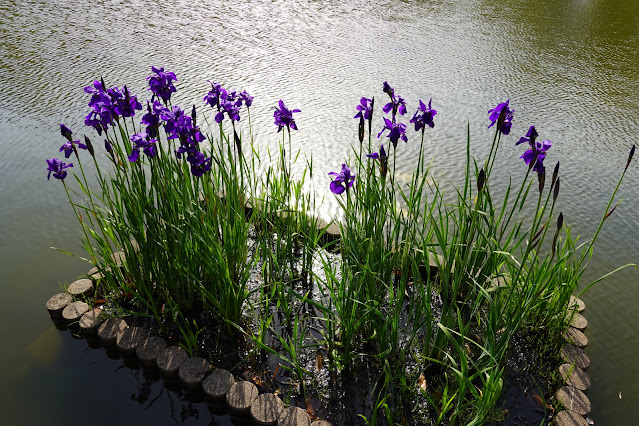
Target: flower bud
481 179
555 173
361 129
560 221
541 177
89 145
632 152
556 192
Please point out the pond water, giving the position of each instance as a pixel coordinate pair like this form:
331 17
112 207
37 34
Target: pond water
571 68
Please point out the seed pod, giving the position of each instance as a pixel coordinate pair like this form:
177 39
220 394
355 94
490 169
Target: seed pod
632 152
560 221
89 145
361 129
556 192
481 179
555 173
541 177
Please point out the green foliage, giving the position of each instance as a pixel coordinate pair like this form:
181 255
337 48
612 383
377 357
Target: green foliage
419 281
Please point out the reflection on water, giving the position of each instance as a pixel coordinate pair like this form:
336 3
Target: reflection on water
570 68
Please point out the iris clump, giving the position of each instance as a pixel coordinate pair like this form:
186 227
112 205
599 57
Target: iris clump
422 301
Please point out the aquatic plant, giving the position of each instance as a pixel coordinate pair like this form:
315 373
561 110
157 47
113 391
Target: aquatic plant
425 285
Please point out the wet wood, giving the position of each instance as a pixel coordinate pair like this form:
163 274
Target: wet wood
241 396
149 349
129 339
217 384
575 337
575 376
110 329
56 304
576 302
266 409
569 418
579 321
575 356
294 416
73 311
90 322
82 288
170 360
573 399
192 372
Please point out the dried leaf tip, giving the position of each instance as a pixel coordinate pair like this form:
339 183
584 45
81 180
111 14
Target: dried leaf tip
610 212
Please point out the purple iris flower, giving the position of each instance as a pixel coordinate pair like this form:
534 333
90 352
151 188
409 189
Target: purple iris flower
364 109
57 167
161 84
200 164
98 94
341 181
69 148
503 116
396 132
152 118
215 95
248 99
125 104
66 132
424 116
537 153
230 108
142 141
531 137
104 104
284 117
397 104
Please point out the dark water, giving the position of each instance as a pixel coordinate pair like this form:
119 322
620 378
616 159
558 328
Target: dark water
569 67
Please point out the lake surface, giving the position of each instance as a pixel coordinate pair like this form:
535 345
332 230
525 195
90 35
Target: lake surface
569 67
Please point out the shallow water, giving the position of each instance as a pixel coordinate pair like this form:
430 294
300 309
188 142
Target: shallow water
571 68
